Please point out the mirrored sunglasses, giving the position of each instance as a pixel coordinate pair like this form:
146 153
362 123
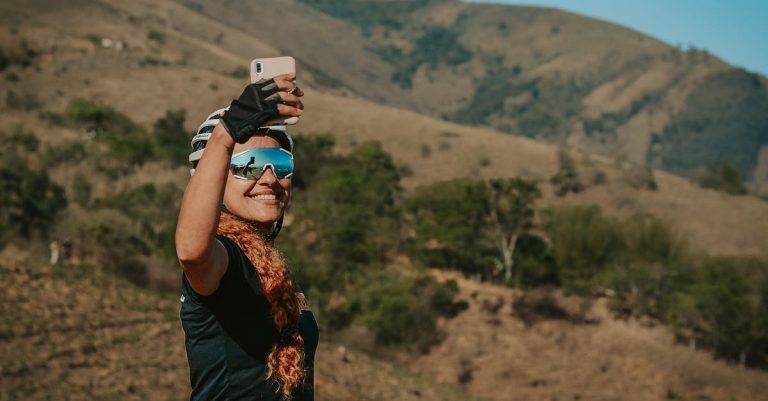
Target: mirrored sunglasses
251 164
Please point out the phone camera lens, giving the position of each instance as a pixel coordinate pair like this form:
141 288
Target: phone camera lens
258 68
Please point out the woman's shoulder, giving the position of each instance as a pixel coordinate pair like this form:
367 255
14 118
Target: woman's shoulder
239 267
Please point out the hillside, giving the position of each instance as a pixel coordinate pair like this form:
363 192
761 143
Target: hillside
536 72
190 71
503 356
73 333
76 333
86 334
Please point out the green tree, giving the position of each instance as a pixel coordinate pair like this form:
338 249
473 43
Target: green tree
346 225
29 201
724 307
472 225
352 209
171 136
448 219
311 153
584 244
510 213
126 141
650 267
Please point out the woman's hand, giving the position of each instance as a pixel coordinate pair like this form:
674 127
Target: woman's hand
261 102
291 105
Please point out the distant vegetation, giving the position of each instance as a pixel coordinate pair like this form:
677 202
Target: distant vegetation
31 202
723 177
128 230
432 46
347 228
640 263
724 119
436 47
351 219
368 14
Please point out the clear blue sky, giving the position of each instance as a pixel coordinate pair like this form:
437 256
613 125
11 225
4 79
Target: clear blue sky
736 31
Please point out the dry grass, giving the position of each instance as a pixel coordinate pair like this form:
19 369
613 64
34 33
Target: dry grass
554 359
69 332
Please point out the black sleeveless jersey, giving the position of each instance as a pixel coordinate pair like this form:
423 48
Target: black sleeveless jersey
230 333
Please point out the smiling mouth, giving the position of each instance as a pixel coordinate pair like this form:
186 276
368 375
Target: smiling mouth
266 197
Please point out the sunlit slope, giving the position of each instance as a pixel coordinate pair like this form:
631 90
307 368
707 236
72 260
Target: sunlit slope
536 72
426 149
501 357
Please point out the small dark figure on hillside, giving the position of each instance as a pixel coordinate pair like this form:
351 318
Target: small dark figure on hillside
249 331
66 250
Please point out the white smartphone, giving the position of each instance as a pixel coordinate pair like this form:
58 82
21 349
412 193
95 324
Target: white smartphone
267 68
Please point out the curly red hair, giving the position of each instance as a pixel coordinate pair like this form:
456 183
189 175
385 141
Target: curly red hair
286 359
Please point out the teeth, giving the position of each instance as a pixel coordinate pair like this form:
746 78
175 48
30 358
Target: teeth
266 197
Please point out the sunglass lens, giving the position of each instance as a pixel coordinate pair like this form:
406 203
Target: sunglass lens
251 164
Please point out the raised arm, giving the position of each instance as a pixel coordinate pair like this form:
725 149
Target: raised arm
203 258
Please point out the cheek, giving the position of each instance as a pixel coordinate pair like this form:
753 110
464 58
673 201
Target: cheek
235 188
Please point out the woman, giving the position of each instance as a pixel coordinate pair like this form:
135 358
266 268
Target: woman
249 334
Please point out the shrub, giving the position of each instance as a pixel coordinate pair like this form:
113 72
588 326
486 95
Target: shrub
70 151
567 178
30 201
404 311
110 238
722 177
723 306
125 140
25 101
27 141
82 190
584 245
311 153
156 36
425 151
171 137
152 211
538 304
650 269
4 60
448 220
639 177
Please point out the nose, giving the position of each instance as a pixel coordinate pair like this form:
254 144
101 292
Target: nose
267 177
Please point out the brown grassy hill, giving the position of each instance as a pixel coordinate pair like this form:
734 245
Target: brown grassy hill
538 72
497 355
68 332
177 58
150 77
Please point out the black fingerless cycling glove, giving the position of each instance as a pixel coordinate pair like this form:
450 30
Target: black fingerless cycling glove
255 106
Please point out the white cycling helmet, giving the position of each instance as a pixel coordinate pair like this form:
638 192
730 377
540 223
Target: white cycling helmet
279 132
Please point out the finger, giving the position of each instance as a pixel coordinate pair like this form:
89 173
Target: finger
285 77
289 86
286 110
285 84
289 98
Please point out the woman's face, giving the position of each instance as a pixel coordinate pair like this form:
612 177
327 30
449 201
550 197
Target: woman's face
259 201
